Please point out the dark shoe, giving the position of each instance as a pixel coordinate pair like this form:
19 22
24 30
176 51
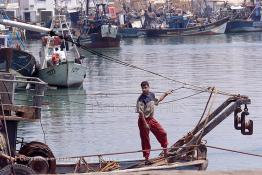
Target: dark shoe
148 162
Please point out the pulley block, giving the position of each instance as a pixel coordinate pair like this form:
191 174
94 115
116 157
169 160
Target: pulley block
241 123
237 119
246 125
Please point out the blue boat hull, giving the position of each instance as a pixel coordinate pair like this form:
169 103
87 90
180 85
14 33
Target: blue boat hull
243 26
20 61
130 32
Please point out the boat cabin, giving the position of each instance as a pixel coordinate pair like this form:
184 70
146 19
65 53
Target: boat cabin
177 22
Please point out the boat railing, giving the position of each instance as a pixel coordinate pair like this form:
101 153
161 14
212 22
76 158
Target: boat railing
32 99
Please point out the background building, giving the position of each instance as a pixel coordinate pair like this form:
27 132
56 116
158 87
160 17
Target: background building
43 10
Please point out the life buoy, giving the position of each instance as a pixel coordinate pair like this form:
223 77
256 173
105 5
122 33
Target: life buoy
55 58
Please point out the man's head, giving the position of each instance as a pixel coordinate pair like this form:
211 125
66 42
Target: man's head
145 87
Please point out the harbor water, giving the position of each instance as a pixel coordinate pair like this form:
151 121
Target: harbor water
101 118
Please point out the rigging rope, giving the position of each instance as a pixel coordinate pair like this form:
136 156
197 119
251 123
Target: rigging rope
42 127
178 99
234 151
136 67
108 154
111 93
203 114
123 106
133 106
138 151
208 115
97 94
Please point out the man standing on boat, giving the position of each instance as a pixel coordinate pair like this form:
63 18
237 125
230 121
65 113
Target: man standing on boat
146 121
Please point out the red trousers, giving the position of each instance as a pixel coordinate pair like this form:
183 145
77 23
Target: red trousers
156 129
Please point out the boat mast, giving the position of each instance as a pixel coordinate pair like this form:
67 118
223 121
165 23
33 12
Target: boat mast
55 10
192 5
87 7
208 17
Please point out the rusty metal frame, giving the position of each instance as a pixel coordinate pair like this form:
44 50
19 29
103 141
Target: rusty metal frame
7 95
208 124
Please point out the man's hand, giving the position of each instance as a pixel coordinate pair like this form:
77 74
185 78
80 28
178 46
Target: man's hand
141 115
164 96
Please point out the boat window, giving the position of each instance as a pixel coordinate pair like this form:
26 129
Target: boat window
3 64
2 42
50 51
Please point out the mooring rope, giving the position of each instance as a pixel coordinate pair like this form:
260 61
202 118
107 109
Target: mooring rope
178 99
129 106
110 93
234 151
69 39
117 105
152 150
98 94
110 154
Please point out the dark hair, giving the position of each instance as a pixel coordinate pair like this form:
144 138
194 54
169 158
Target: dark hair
144 83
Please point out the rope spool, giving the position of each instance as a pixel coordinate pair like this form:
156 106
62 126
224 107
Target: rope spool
39 152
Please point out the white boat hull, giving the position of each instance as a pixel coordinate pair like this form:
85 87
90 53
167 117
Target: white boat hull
67 74
220 29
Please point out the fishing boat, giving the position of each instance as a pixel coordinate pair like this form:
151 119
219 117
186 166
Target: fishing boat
131 32
188 153
243 23
237 26
214 28
60 65
101 32
101 36
131 28
22 62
